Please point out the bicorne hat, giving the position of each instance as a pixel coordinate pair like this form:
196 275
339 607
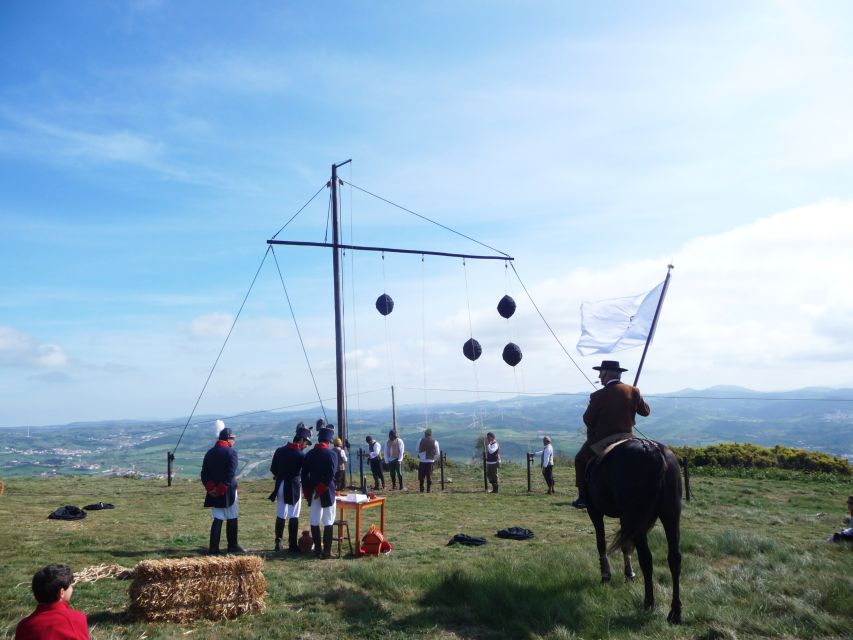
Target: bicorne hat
609 365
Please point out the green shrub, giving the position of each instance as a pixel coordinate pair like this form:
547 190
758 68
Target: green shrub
733 455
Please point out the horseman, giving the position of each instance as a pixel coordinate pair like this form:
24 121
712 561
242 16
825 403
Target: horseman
610 417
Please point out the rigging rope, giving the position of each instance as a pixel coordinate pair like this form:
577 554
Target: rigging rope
300 210
423 217
535 306
243 304
299 333
328 219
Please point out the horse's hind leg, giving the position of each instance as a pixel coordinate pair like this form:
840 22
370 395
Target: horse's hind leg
673 535
644 555
597 519
629 570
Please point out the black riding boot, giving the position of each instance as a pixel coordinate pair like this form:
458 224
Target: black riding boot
327 541
279 532
215 534
292 535
582 499
231 534
318 542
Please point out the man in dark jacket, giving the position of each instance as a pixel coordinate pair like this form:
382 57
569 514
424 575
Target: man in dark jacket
287 468
610 417
318 487
219 477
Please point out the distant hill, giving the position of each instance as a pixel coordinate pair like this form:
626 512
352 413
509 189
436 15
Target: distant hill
814 418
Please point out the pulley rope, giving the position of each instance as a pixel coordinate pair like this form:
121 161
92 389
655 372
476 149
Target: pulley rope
388 351
209 375
300 210
423 338
510 325
471 333
352 288
299 333
535 306
423 217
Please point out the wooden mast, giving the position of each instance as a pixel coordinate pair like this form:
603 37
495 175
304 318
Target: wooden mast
339 322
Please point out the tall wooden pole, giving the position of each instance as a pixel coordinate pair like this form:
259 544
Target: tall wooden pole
339 321
669 269
393 410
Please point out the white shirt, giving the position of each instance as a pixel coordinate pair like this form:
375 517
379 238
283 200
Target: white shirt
388 456
374 450
422 454
547 455
492 447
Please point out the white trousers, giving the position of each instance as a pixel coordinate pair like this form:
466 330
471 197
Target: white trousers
284 510
226 513
322 515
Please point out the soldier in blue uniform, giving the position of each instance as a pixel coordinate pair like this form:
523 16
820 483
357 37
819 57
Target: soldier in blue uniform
318 487
219 477
286 467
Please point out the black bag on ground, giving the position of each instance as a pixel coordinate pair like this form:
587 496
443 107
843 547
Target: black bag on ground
68 512
464 538
98 506
515 533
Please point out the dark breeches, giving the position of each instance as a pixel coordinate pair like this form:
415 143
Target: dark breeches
581 459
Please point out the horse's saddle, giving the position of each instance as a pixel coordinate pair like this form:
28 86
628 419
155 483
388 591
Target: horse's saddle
608 444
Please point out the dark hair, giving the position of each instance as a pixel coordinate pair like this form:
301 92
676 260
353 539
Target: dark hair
49 580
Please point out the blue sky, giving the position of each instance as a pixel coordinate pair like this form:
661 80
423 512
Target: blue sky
148 149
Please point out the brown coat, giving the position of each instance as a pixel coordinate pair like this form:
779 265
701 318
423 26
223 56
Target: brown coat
612 410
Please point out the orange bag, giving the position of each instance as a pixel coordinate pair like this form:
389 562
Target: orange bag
374 542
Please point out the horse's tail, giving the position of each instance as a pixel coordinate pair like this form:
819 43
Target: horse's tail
634 524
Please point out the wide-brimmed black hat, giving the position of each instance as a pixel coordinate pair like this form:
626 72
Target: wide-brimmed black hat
609 365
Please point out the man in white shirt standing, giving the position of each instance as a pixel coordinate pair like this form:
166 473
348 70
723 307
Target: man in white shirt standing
375 460
428 451
394 449
493 460
547 457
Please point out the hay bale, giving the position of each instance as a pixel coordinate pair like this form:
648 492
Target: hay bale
185 589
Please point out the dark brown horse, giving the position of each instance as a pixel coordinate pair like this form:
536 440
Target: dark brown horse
639 482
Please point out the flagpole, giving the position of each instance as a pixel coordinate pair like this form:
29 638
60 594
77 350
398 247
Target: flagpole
669 268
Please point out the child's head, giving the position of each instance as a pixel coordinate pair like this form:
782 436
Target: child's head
53 582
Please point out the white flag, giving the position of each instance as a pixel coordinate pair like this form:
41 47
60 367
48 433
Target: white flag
618 323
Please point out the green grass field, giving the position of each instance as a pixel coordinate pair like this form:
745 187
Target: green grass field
755 562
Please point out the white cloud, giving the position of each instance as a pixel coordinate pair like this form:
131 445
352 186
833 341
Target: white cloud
211 325
21 350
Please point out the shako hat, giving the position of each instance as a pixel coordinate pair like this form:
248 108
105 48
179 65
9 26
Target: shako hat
226 434
609 365
303 432
326 434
